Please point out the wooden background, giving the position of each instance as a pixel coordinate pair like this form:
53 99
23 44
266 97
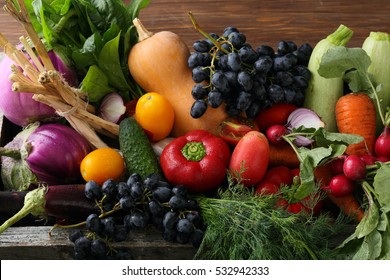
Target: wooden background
263 21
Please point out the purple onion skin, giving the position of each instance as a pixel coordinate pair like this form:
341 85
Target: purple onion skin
56 152
19 107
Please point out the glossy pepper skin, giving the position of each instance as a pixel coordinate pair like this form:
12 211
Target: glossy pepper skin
198 160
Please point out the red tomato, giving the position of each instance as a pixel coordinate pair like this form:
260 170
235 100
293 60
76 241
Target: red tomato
313 203
250 158
279 175
266 187
232 129
295 172
277 114
294 208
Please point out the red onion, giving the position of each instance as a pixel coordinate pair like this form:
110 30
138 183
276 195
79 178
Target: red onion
53 152
19 107
112 107
306 118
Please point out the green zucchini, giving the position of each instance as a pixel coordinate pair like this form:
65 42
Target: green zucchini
137 150
377 46
322 94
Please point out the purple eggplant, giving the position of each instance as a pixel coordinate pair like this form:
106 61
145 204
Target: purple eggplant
47 153
66 204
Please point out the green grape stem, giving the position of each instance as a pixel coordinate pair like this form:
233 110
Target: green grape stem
205 34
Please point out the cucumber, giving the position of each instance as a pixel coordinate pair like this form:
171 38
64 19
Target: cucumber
137 150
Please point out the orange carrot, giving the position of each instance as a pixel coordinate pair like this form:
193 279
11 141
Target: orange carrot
323 174
283 155
356 114
349 205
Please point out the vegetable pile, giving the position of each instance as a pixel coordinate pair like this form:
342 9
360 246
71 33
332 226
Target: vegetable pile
243 152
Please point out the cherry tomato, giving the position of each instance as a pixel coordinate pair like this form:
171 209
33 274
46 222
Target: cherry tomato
232 129
295 172
130 108
155 114
250 158
266 187
279 175
294 208
102 164
313 203
276 114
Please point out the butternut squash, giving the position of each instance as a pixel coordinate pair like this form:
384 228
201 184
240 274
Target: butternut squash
158 62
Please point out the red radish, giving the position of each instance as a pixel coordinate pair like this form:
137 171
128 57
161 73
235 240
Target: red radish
336 165
354 168
382 143
340 186
383 159
275 134
66 203
369 159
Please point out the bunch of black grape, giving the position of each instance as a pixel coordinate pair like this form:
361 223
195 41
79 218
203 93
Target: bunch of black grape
228 70
135 204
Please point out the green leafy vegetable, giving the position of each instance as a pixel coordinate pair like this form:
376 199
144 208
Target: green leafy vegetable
326 146
88 33
371 239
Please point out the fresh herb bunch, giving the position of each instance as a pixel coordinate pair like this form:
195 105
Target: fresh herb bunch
241 225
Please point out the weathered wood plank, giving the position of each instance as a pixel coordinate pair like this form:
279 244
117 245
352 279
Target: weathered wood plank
25 243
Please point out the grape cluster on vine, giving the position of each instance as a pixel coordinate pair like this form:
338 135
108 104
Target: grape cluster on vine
228 71
135 204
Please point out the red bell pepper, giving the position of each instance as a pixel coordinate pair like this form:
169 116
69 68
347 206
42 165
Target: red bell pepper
198 160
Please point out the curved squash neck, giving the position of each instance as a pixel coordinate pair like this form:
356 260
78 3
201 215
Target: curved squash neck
143 33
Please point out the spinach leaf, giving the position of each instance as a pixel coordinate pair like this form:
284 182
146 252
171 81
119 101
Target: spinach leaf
96 84
109 62
83 32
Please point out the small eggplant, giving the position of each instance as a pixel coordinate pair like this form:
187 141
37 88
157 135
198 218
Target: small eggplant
65 203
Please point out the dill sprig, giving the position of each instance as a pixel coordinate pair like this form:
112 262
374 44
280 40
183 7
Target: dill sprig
243 226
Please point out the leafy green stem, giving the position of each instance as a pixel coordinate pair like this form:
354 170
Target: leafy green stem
287 138
62 22
378 102
368 188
